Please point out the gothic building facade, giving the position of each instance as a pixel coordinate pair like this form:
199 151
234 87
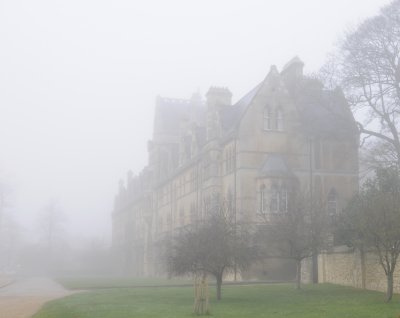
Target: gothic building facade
287 128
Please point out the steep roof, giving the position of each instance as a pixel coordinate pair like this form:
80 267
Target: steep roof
231 115
324 112
321 112
293 61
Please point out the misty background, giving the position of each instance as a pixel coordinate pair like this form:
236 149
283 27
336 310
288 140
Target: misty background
79 79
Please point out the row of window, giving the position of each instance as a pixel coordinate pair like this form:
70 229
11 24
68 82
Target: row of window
166 224
275 200
272 200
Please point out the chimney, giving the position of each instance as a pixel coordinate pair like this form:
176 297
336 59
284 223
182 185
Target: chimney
218 96
293 69
292 73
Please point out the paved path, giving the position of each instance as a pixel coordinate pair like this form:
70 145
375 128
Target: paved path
24 297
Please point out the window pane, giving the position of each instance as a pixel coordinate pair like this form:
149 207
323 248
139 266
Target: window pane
274 199
267 118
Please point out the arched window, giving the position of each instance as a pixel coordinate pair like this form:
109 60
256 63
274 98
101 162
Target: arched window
267 118
229 200
283 199
274 202
193 216
332 202
279 119
263 199
181 217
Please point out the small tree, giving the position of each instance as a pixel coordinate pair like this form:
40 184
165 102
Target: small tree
297 233
372 220
214 246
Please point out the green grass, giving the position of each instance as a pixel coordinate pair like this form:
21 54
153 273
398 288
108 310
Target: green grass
103 282
275 301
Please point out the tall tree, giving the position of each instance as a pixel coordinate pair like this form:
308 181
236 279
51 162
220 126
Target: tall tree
4 202
51 224
372 220
367 67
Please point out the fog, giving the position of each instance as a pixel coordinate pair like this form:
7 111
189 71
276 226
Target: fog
79 79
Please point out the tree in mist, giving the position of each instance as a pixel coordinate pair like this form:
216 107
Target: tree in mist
215 246
297 233
4 202
2 206
367 67
10 242
372 221
51 225
51 251
10 231
95 257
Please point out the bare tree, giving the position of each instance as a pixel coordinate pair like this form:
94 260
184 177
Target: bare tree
297 233
215 246
51 224
367 67
372 220
4 201
94 256
53 244
10 229
10 242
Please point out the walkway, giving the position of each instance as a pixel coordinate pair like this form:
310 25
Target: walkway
24 297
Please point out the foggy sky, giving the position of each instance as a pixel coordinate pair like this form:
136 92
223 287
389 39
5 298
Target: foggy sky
78 82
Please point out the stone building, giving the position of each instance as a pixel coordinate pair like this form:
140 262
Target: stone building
287 128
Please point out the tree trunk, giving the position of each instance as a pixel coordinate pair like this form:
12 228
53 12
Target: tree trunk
363 271
389 291
315 267
201 304
219 284
298 274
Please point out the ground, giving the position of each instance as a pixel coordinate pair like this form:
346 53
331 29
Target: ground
266 300
24 296
122 298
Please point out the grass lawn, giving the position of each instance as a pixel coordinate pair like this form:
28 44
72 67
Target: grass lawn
102 282
238 301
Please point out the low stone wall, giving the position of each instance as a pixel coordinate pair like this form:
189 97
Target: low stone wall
343 266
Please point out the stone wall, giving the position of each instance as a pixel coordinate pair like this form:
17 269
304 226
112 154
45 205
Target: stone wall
344 266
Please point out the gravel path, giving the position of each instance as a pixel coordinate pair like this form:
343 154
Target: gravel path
25 296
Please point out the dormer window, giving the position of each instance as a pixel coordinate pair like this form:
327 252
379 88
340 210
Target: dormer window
273 118
267 118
